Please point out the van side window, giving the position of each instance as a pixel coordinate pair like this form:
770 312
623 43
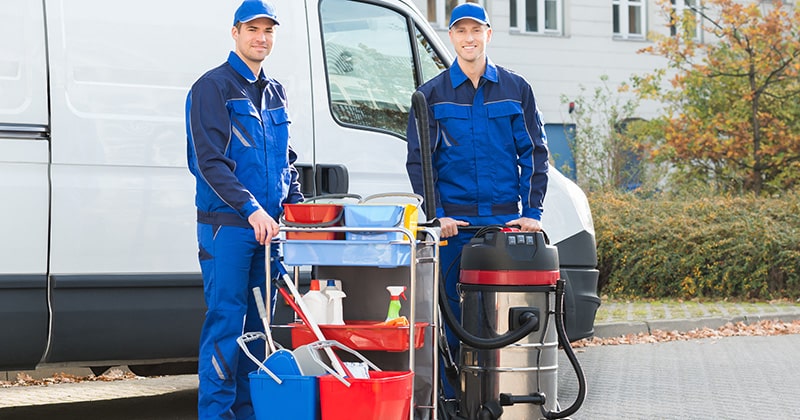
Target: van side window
370 66
430 62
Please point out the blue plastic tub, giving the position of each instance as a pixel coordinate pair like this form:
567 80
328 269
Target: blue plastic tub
296 398
371 215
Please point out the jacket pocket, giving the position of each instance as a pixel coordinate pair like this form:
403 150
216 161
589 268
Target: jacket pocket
443 111
501 122
244 120
279 116
243 107
503 109
455 124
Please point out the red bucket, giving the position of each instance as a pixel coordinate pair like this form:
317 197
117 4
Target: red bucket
304 215
384 396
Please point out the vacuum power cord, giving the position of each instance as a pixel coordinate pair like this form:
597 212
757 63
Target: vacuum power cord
576 366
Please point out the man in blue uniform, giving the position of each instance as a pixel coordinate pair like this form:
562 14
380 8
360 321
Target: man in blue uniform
238 149
489 150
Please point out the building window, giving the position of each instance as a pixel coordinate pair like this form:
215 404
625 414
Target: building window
629 19
686 11
536 16
439 10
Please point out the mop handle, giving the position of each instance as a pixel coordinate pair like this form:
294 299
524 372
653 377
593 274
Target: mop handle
262 312
303 310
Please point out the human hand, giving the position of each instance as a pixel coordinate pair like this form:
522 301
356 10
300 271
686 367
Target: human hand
526 224
264 226
450 226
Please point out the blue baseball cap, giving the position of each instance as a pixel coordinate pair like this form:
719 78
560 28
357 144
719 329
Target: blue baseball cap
472 11
254 9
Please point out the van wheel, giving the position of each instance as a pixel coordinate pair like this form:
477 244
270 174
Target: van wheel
161 369
99 370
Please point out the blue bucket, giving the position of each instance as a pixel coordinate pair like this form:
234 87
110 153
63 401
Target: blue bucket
363 215
297 397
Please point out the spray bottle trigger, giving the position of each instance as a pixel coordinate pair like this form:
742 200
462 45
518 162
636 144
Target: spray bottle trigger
394 303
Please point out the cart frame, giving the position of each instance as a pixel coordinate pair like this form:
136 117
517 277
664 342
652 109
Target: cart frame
408 242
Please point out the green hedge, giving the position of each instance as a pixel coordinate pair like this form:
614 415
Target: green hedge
700 247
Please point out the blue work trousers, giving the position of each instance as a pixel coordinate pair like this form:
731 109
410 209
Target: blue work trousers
232 263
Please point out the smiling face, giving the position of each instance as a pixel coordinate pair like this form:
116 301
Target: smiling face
254 41
469 38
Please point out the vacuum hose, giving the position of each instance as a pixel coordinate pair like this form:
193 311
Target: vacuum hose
564 341
420 105
528 320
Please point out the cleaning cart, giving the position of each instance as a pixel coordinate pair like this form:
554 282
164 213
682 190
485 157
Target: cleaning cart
382 247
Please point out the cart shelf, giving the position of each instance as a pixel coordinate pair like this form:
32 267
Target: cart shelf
347 253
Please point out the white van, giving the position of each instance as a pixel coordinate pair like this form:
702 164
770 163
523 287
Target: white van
98 252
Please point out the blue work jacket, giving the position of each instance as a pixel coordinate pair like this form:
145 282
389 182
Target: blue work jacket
489 149
238 145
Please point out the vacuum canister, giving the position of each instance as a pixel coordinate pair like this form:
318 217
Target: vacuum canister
504 274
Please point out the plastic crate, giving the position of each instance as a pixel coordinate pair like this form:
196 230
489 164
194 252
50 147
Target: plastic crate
362 335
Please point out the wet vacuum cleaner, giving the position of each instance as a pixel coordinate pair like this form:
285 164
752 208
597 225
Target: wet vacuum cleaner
512 325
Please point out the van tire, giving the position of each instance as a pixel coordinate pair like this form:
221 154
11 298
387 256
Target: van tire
162 369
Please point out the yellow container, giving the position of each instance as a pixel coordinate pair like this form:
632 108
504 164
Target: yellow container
411 217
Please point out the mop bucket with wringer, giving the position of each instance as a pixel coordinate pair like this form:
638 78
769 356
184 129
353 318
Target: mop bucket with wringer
371 395
277 396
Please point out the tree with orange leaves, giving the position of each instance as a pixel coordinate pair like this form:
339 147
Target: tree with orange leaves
732 104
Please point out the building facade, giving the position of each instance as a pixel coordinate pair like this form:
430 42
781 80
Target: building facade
563 45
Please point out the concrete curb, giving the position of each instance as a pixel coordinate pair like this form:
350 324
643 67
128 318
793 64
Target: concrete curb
617 329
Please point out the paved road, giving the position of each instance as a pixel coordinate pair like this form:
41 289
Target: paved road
725 378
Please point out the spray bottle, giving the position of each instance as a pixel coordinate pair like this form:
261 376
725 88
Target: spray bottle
335 296
394 303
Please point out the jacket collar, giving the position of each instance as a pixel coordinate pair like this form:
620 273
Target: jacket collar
239 65
457 76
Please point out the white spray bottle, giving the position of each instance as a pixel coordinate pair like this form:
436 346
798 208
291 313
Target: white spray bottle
394 303
317 304
335 296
